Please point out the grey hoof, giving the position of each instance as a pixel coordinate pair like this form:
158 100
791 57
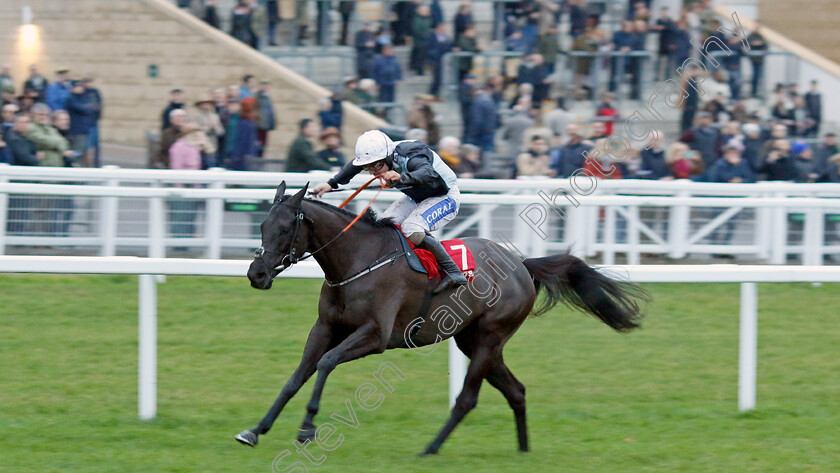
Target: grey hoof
246 437
305 434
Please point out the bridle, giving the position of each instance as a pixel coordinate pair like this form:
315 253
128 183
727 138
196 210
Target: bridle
292 259
290 255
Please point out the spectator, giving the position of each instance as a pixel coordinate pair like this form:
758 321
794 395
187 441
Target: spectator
548 46
331 139
780 165
6 79
186 154
322 22
666 26
22 149
241 26
753 141
466 43
623 41
241 135
36 82
833 169
556 120
602 165
272 13
387 74
568 158
353 92
463 19
402 26
302 157
436 13
94 97
533 71
803 123
27 100
654 164
483 120
365 45
535 160
813 105
417 134
422 116
84 112
176 101
680 46
731 168
684 162
758 49
22 152
421 26
57 93
210 124
51 146
597 131
824 152
9 112
331 112
61 122
246 89
211 13
7 95
470 166
177 117
524 93
705 139
345 8
465 99
437 45
512 132
265 120
448 148
577 17
807 167
608 112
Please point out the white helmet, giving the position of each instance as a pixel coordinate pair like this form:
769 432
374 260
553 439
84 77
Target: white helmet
372 146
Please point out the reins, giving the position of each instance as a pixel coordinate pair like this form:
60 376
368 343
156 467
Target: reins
352 196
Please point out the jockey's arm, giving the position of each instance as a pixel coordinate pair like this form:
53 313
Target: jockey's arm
419 172
343 176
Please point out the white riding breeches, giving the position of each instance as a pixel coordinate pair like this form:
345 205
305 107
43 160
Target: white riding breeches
431 214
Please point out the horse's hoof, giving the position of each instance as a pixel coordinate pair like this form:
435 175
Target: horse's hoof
246 437
428 452
306 434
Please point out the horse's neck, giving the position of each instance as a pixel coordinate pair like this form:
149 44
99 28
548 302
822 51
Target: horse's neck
360 243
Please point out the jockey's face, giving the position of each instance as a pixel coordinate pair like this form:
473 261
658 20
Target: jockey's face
376 168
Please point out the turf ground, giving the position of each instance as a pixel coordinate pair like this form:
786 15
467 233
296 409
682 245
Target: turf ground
662 399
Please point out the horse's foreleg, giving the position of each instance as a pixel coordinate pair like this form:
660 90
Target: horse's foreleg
364 341
319 341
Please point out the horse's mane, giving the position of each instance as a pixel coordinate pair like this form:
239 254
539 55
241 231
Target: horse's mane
368 217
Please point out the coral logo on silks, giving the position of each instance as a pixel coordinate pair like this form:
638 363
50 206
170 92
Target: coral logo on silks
439 210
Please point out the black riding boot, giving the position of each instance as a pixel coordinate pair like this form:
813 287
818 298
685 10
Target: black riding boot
452 276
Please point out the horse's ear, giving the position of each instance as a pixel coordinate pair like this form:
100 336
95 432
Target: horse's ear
281 190
298 198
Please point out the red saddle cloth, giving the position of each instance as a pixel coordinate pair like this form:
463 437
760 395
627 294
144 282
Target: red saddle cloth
457 250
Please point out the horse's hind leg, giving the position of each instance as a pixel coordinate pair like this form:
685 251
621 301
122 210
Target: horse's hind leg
320 340
481 359
502 379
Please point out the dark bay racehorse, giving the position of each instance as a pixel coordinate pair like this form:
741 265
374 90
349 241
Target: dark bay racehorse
362 312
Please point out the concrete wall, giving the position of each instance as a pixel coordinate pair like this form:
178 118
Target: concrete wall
117 41
812 23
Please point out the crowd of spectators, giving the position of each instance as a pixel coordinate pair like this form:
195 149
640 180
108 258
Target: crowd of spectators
226 127
49 123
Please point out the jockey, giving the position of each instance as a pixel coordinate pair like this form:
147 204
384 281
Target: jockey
431 199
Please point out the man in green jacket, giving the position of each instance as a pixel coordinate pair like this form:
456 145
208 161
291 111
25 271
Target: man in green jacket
302 156
52 147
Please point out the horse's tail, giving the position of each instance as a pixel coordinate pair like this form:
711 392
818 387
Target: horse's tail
569 279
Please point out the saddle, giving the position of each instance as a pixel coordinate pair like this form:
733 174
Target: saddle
424 262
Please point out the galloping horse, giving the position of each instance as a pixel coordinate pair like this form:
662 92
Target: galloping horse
371 299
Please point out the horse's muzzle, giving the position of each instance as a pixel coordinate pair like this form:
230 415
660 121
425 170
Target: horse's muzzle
261 275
